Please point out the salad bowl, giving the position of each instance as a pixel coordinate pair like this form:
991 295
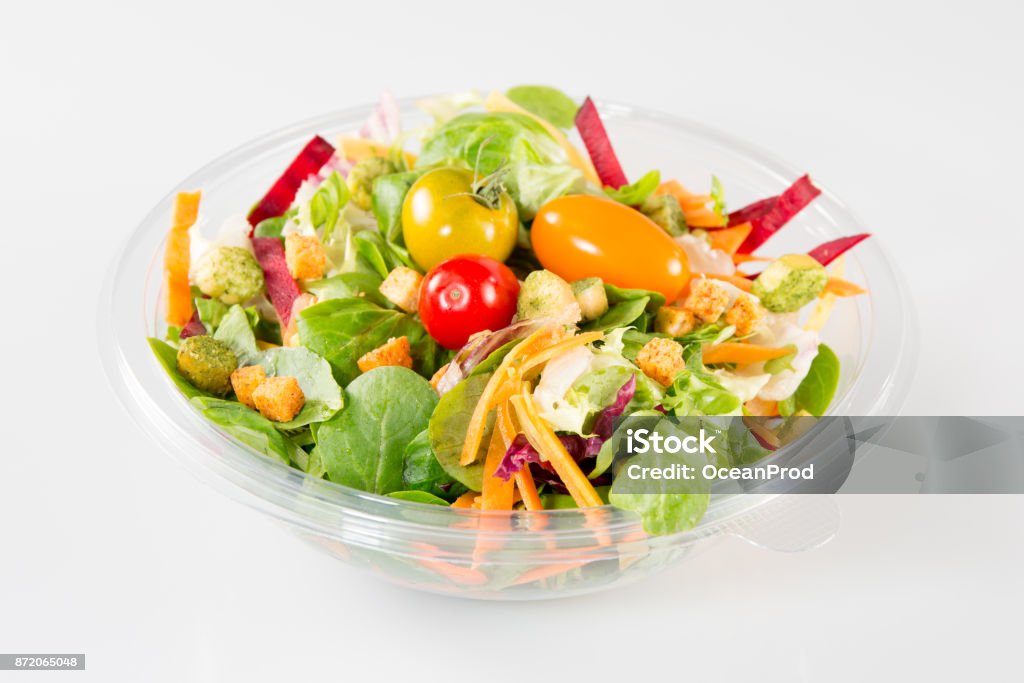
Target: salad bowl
521 554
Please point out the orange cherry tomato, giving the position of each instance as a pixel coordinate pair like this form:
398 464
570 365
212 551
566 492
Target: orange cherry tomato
580 236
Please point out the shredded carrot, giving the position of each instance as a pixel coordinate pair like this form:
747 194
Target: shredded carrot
841 287
358 149
176 259
738 281
541 437
547 354
466 501
505 372
762 408
496 101
528 489
694 206
497 493
741 353
730 239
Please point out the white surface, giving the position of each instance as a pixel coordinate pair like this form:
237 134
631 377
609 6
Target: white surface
912 112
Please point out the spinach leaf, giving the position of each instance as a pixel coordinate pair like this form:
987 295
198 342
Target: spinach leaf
342 330
323 395
374 254
622 314
423 472
363 445
388 197
818 388
447 430
418 497
628 307
250 428
167 355
636 193
348 285
548 103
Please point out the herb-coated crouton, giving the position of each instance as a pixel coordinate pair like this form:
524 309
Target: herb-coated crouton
245 381
674 321
305 256
394 352
402 288
661 359
745 314
708 299
207 363
279 398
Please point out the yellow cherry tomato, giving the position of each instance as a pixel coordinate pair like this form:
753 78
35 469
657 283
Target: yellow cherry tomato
582 236
442 217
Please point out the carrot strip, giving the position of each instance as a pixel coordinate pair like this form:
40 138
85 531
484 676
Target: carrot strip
694 206
358 149
497 493
540 435
505 372
742 354
737 280
176 259
841 287
730 239
547 354
466 501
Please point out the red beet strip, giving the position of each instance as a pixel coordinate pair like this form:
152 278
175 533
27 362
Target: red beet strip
789 203
280 195
281 288
599 147
752 212
830 251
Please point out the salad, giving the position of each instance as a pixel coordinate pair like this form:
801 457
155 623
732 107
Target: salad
459 314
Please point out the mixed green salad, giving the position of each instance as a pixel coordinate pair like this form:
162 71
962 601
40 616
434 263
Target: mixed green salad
459 314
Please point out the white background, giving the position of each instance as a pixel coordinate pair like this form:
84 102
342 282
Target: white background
912 112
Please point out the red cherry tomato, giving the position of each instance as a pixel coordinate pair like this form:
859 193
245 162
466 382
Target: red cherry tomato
464 295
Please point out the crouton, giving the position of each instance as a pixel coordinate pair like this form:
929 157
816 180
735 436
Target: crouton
245 381
305 257
674 321
661 359
745 314
402 288
394 352
279 398
708 299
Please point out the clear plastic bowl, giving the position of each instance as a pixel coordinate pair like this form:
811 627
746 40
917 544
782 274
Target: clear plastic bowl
497 555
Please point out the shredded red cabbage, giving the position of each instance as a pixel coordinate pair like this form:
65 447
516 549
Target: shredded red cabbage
786 205
281 288
193 328
281 194
599 146
830 251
